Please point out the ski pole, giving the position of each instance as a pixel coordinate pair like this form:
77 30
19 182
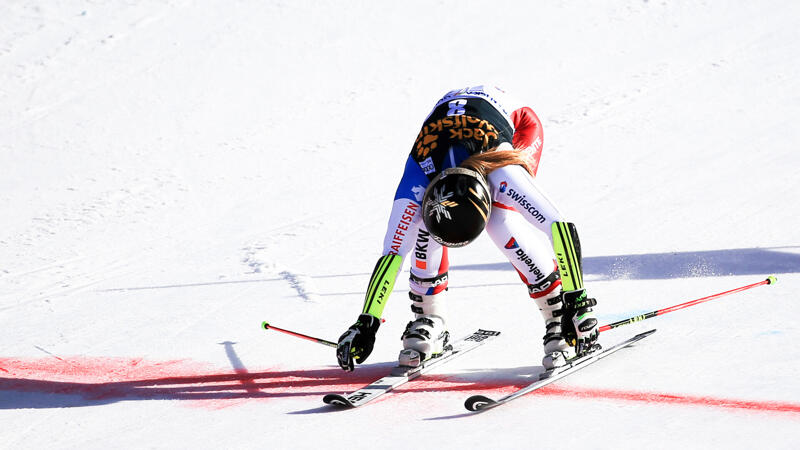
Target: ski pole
267 326
769 280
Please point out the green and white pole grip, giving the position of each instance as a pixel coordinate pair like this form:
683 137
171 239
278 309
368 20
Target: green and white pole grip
381 284
770 280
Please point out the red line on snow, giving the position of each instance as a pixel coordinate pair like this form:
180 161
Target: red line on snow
85 381
445 383
662 398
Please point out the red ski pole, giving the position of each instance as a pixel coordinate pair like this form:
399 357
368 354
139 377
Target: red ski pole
267 326
769 280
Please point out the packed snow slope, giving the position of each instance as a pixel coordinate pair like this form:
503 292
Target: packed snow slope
172 173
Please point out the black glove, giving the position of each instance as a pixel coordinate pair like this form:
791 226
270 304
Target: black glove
579 326
357 342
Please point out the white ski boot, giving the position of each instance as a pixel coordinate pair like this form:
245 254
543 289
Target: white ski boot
556 349
424 338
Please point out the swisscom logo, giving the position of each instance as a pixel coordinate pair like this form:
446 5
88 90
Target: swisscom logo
503 186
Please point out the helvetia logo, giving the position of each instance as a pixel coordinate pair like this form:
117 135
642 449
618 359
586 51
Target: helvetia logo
512 243
532 268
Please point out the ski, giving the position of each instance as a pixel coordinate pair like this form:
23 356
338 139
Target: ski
482 403
401 374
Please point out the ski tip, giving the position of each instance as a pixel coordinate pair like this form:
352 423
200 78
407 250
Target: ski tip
772 279
478 402
265 325
337 400
646 333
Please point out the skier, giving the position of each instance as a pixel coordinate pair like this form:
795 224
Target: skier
472 167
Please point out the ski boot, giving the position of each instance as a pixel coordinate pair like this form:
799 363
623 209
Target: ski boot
557 350
578 321
424 338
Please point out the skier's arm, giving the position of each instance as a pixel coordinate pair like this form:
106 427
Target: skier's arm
356 344
400 236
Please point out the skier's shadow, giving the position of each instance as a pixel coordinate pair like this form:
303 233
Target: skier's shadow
661 266
658 266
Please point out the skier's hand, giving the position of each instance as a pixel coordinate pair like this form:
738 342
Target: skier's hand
356 343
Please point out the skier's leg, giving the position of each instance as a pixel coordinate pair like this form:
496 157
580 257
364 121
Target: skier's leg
426 336
531 254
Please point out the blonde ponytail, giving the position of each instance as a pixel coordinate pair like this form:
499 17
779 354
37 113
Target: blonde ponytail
487 162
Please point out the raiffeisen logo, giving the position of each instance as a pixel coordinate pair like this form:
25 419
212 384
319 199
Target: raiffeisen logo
503 186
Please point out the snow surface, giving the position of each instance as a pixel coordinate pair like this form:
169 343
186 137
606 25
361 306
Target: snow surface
172 173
